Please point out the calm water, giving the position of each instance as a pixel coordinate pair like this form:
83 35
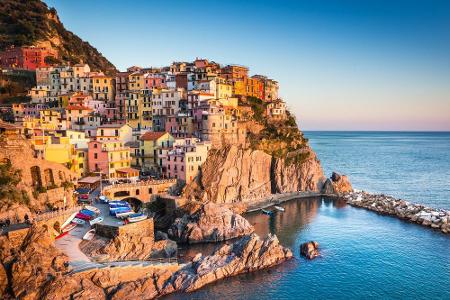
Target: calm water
410 165
365 255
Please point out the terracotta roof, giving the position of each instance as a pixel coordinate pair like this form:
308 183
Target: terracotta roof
8 126
128 170
152 136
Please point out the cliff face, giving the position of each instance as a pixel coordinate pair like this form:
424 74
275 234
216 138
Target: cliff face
233 174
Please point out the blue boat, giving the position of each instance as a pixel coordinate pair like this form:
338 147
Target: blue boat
113 212
88 212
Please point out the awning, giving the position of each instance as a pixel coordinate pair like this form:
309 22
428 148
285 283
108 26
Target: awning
89 180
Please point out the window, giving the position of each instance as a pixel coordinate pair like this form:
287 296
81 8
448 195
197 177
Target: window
95 156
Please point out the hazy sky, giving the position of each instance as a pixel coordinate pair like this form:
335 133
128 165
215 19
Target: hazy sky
342 65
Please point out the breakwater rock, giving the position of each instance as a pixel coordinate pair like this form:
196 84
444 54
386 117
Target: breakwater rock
435 218
209 223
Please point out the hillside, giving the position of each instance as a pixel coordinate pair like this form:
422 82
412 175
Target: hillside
31 22
275 158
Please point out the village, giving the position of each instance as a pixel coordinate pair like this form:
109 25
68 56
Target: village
145 123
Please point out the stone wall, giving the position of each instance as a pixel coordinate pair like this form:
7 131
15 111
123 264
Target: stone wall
138 229
143 191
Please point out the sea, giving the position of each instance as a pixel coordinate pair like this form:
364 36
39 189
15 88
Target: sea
363 255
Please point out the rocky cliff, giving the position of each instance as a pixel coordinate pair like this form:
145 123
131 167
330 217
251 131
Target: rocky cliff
234 174
209 223
29 184
30 266
245 255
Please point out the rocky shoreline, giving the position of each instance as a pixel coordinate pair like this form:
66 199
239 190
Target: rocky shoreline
438 219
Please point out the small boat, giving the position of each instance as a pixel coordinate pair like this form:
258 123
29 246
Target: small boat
83 217
124 214
279 208
136 218
78 221
88 212
103 199
267 212
96 220
89 235
62 235
92 208
121 204
68 227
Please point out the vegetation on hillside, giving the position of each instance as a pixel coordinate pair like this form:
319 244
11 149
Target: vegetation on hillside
282 138
26 22
9 179
14 86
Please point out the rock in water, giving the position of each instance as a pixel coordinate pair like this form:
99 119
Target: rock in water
310 249
209 223
328 188
341 183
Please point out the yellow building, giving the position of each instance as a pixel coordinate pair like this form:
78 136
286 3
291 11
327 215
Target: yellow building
136 81
60 150
224 88
153 145
102 87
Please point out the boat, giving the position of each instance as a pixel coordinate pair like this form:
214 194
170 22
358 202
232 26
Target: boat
136 217
92 208
279 208
96 220
103 199
267 212
89 235
62 235
119 204
78 221
88 212
115 211
83 217
68 227
124 214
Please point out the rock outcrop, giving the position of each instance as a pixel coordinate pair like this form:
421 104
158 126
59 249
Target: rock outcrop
310 250
248 254
337 185
234 174
209 223
435 218
32 265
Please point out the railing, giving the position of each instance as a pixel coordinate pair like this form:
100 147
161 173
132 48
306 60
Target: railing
139 184
56 213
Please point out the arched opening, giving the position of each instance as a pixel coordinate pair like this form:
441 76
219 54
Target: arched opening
135 203
36 176
121 194
48 177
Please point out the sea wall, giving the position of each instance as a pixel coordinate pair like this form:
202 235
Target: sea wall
438 219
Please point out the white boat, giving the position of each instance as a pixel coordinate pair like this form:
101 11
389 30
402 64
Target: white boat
69 227
279 208
89 235
78 221
92 208
136 218
96 220
124 215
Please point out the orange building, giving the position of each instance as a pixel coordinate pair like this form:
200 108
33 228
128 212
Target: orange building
255 87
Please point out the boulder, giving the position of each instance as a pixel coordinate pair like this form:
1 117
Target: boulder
3 282
310 249
209 223
341 183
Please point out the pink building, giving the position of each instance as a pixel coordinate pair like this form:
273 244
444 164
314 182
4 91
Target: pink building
97 159
154 81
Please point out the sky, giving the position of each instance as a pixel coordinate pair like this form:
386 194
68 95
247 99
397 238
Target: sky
341 65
